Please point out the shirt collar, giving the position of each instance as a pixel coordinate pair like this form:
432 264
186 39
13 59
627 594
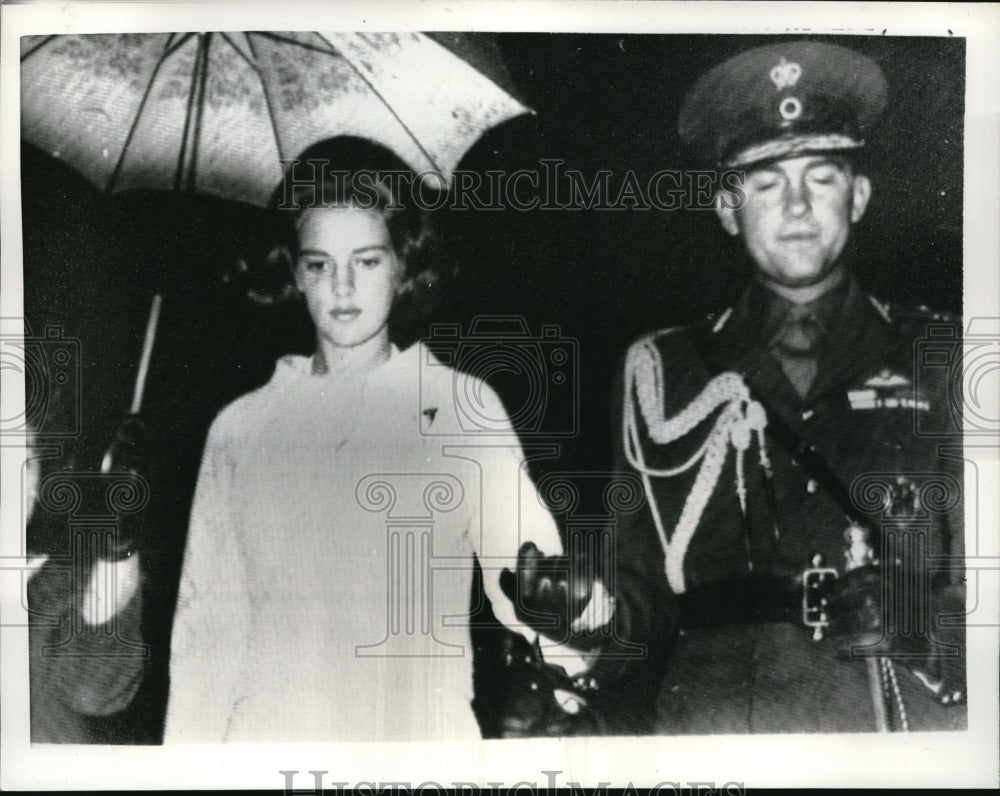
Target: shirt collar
769 309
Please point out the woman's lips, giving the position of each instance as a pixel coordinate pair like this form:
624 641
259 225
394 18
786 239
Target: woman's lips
345 314
799 235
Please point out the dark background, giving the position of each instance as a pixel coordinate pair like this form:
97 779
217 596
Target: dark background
602 101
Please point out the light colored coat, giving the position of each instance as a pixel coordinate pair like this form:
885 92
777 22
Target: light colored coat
329 561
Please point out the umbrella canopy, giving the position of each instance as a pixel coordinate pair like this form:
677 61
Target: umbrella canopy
216 113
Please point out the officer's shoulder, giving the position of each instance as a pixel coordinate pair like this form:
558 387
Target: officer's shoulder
919 320
682 335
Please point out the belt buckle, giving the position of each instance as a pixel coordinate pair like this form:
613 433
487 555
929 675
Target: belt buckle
814 582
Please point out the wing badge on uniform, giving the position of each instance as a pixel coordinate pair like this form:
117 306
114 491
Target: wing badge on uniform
887 390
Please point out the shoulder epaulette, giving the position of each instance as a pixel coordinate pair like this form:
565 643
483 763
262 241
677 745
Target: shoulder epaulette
652 338
881 309
719 321
713 321
914 321
924 313
903 314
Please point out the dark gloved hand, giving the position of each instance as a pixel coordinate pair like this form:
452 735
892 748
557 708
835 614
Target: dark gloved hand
918 636
128 456
854 607
548 593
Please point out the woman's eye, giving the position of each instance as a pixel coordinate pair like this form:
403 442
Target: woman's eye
313 265
370 262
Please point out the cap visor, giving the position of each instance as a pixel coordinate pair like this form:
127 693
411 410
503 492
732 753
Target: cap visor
783 148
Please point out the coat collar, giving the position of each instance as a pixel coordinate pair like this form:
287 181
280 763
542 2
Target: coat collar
859 338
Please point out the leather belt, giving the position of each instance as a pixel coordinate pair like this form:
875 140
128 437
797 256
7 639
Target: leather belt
742 601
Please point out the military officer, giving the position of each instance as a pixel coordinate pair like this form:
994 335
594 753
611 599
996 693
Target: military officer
791 439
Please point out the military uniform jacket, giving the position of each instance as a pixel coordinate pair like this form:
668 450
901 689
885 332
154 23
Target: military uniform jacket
878 407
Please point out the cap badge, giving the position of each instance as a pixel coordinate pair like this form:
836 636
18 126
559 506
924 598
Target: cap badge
790 109
785 74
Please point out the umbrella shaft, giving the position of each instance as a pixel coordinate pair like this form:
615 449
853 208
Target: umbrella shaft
147 353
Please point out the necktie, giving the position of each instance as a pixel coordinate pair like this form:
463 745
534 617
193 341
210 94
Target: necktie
795 347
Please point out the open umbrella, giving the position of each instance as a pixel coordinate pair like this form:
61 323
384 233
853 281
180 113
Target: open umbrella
216 113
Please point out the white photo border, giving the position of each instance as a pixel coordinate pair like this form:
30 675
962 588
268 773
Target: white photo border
924 760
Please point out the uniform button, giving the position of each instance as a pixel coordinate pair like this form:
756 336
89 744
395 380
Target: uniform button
807 415
812 486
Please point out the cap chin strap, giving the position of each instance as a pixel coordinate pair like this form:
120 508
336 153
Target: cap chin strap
739 419
792 146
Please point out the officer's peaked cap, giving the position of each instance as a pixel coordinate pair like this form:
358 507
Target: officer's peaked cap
783 100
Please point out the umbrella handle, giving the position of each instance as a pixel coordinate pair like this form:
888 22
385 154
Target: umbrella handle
147 353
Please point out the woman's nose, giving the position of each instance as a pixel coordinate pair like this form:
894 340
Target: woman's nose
343 279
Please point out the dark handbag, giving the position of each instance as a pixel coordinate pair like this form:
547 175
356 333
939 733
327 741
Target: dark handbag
540 699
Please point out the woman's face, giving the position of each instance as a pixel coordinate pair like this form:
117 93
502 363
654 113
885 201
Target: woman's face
349 273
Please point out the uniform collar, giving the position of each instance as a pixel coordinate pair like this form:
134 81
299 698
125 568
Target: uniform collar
772 309
857 338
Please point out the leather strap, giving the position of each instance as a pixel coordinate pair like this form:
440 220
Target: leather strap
742 601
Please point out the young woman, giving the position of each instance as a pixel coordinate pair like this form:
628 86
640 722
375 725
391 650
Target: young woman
327 576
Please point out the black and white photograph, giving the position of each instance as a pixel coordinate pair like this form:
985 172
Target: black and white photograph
525 396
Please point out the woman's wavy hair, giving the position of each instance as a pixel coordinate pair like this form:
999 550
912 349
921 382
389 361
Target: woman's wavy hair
346 171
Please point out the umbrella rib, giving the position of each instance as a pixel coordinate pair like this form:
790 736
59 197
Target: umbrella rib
135 122
239 51
174 44
331 49
192 104
200 109
328 50
264 88
37 47
389 108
